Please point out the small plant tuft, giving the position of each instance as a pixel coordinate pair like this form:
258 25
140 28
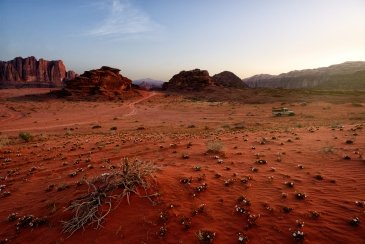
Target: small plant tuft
25 136
214 146
205 236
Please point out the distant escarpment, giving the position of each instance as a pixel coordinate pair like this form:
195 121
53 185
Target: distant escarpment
148 84
229 79
193 80
104 82
32 72
345 76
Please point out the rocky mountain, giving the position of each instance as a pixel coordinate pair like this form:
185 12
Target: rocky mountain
30 71
229 79
348 75
106 82
193 80
148 84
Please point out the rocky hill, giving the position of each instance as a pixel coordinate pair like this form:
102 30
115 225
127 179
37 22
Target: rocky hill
348 75
32 72
104 82
193 80
229 79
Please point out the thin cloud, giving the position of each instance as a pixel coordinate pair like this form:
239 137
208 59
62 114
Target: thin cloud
124 19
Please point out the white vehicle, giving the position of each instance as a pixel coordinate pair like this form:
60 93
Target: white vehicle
282 111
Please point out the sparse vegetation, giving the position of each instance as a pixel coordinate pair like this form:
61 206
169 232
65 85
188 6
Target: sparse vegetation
96 127
214 146
88 208
205 236
329 149
25 136
356 104
4 141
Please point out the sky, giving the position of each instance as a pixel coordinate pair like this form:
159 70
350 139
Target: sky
159 38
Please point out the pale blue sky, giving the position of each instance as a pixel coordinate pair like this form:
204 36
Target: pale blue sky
159 38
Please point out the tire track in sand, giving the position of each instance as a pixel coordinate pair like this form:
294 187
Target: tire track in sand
131 106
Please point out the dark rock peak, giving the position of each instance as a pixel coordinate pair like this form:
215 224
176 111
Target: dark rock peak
193 80
229 79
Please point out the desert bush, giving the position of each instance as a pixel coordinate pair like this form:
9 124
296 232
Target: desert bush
25 136
205 236
87 209
68 132
4 141
357 105
239 126
329 149
214 146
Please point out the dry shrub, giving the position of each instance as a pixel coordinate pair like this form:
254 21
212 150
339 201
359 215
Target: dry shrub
214 146
93 207
4 141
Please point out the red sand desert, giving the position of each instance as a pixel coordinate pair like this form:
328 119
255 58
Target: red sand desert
273 176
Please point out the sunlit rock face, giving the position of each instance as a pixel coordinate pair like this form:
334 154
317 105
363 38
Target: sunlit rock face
104 81
32 71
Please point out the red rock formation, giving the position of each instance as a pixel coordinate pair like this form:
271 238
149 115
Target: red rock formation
105 81
30 71
229 79
70 75
193 80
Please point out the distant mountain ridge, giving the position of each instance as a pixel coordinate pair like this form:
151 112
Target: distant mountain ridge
30 71
348 75
148 83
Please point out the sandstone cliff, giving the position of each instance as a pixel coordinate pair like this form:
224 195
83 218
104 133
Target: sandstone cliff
30 71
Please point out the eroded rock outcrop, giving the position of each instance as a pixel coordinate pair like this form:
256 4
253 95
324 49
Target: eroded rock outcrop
105 81
193 80
32 71
229 79
348 76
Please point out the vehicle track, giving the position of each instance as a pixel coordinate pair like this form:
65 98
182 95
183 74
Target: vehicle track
131 106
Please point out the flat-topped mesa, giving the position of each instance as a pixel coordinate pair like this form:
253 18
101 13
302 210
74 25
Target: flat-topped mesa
30 71
193 80
105 81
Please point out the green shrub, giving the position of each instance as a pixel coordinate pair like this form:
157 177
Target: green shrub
25 136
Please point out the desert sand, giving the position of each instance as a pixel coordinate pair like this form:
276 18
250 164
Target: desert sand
301 173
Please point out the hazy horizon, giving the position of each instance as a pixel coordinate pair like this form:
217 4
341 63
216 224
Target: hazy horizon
157 39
